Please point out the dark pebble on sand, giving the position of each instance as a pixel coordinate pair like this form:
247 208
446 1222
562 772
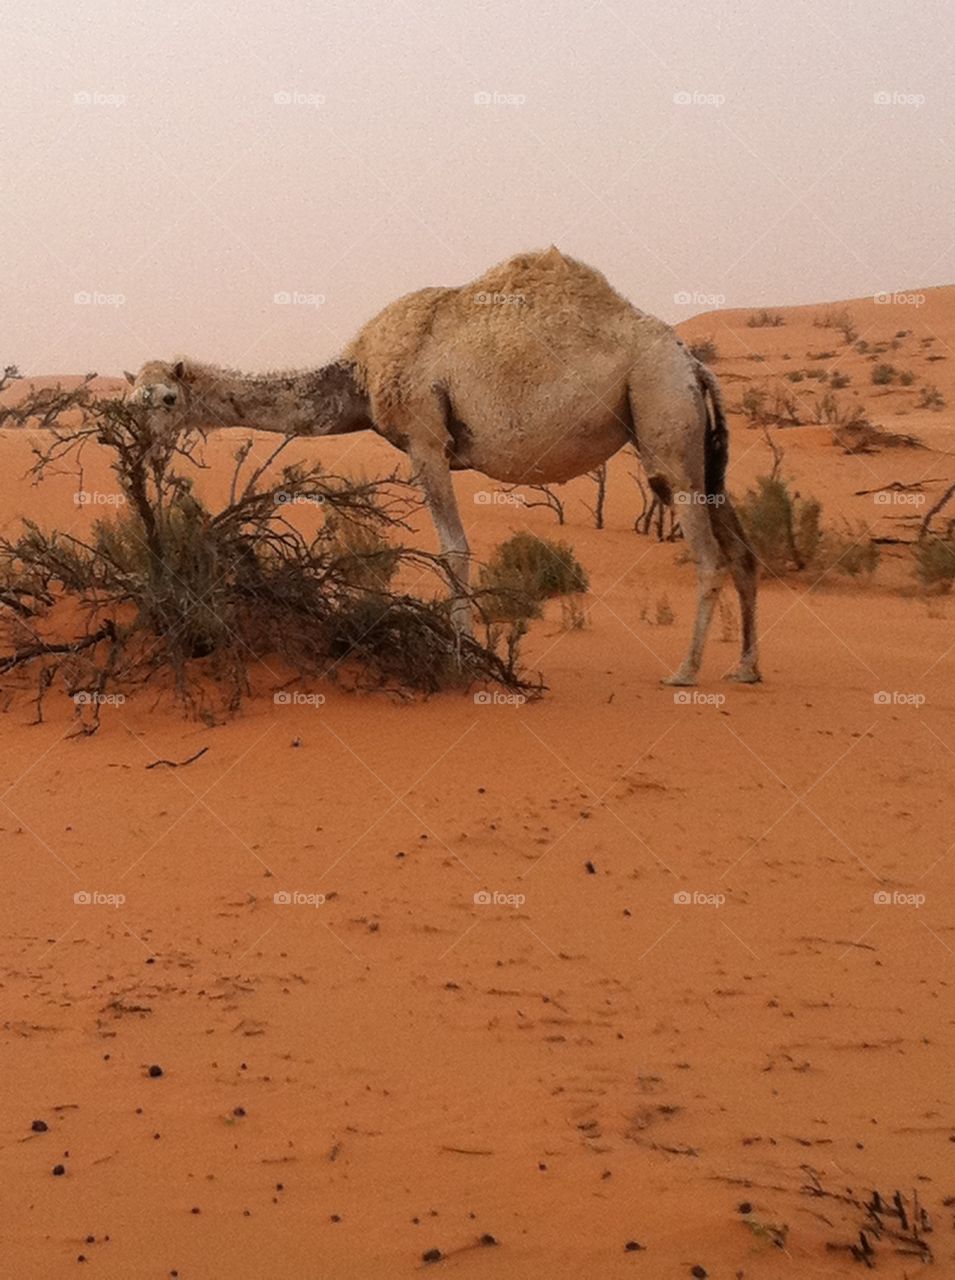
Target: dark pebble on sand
699 1273
591 869
336 1217
39 1126
633 1246
155 1072
433 1255
238 1111
195 1209
59 1170
745 1207
488 1239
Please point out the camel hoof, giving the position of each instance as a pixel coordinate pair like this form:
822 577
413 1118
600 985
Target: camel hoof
744 677
679 680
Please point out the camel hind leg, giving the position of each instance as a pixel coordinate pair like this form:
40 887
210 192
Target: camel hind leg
742 565
711 571
669 429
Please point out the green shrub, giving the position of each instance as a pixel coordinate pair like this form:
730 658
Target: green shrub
883 374
525 571
783 528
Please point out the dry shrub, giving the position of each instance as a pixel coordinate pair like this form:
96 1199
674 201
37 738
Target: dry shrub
170 582
765 319
705 350
935 561
930 398
853 553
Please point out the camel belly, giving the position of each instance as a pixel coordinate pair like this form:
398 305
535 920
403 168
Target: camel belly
549 454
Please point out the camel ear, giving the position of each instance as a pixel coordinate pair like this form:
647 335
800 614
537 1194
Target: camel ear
179 370
130 377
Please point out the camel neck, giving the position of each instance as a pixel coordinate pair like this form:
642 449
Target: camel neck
311 402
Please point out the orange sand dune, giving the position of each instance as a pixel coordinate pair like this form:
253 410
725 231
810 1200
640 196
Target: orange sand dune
687 997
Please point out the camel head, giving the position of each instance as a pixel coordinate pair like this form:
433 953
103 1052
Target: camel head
162 388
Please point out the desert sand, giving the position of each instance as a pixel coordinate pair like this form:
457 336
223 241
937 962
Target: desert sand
589 1061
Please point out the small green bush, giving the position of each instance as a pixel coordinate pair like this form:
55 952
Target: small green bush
784 529
524 572
883 374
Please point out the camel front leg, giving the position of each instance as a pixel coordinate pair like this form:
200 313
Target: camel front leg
433 474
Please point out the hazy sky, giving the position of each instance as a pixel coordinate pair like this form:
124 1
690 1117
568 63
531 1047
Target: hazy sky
170 168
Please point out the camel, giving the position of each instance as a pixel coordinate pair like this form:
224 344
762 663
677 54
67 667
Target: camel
534 373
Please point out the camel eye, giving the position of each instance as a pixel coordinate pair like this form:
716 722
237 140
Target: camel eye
169 398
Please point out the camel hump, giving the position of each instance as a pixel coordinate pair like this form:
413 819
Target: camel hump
552 258
530 277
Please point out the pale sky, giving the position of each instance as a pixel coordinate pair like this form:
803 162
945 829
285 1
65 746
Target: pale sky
179 165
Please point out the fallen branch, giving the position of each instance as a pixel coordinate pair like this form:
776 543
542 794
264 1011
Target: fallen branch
177 764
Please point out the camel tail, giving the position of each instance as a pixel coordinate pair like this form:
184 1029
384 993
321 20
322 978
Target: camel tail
716 440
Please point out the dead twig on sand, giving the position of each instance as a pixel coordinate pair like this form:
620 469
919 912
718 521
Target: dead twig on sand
177 764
